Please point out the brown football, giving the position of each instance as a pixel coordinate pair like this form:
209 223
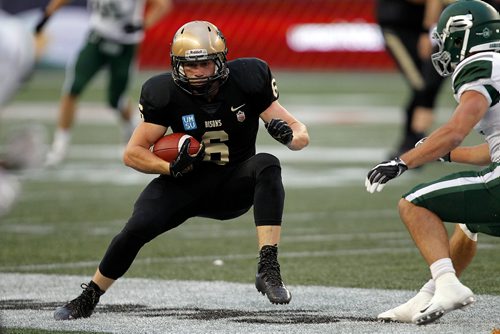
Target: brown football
168 146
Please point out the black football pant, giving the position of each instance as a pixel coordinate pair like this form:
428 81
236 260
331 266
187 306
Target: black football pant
212 191
424 81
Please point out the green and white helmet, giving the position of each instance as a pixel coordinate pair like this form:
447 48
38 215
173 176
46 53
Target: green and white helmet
465 27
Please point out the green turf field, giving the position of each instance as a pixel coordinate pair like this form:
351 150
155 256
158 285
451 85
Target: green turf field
334 232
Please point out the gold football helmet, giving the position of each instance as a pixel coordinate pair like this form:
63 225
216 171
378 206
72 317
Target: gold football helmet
194 42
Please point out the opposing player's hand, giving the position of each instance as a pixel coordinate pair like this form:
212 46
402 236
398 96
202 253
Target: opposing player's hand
131 28
184 161
280 130
444 158
385 171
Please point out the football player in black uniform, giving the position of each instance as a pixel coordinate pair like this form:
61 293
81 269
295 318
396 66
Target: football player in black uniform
220 104
405 25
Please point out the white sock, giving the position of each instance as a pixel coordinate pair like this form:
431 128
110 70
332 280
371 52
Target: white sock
61 137
440 267
429 287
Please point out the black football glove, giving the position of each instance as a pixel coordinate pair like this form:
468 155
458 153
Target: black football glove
280 130
130 28
444 158
184 161
379 175
39 26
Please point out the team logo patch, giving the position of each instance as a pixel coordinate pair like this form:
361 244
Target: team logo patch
240 116
189 122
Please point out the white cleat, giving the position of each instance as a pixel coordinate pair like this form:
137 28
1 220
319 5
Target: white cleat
405 312
447 297
10 188
57 154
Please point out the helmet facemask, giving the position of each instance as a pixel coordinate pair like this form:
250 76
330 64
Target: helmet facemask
452 44
199 41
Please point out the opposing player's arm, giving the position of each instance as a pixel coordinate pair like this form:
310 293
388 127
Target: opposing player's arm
474 155
51 8
156 10
137 153
472 107
276 111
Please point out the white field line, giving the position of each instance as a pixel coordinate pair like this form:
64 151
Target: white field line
225 257
102 164
309 113
210 258
136 306
90 113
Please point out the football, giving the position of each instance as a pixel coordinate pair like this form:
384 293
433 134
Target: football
168 146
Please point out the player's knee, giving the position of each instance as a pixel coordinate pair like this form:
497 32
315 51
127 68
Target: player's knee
114 102
121 252
404 206
266 160
75 90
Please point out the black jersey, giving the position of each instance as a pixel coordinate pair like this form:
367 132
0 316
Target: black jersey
229 123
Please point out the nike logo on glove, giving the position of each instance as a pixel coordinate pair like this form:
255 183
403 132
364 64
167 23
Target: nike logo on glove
237 108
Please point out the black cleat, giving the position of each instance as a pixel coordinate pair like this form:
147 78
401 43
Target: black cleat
82 306
268 279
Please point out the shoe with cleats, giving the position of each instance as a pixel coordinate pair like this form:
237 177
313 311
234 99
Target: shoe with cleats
58 150
82 306
448 297
268 278
405 312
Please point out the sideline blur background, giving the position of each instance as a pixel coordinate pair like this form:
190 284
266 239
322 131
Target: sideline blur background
288 34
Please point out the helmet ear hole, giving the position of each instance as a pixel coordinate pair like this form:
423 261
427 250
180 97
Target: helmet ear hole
458 42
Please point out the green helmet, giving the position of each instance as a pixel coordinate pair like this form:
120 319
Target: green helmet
465 27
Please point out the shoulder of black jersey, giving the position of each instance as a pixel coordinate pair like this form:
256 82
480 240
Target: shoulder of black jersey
247 65
158 88
250 74
159 79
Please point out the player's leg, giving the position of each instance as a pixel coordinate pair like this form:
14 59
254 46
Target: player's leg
269 198
257 182
422 117
78 75
465 197
163 205
431 238
121 68
402 46
463 245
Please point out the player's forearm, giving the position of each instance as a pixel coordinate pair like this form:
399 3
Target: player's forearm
54 5
157 10
433 9
300 136
144 161
474 155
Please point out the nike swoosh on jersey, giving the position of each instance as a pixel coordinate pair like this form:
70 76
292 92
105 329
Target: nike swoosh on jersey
237 108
